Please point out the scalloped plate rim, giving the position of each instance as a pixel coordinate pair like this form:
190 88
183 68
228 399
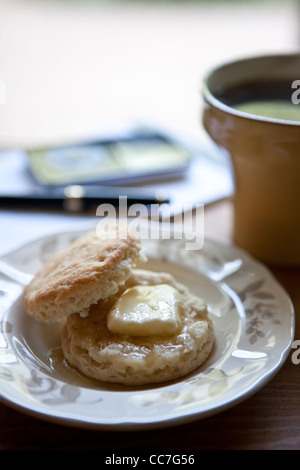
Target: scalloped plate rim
142 422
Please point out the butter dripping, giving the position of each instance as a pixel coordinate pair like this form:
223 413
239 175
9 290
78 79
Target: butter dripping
146 311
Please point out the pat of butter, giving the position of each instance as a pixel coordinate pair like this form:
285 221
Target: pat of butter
146 311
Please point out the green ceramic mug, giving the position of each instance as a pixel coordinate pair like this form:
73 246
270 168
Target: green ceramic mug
264 150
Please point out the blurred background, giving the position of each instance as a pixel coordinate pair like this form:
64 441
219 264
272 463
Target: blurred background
72 68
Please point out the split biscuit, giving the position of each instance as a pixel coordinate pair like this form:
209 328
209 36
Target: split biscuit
94 350
90 269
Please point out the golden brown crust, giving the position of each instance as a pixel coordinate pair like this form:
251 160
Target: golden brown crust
92 268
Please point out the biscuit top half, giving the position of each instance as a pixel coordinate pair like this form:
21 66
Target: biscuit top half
90 269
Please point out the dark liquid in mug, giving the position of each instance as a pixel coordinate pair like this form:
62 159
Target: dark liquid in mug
269 99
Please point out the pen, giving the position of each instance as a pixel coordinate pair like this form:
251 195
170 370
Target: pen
78 198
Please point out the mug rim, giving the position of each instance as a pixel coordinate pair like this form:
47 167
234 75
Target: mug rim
211 98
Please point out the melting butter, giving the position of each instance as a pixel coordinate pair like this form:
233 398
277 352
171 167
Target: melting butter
146 311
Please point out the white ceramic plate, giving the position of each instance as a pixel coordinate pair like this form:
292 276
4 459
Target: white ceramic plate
254 328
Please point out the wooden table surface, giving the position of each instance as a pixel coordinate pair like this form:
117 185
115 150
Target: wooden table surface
270 419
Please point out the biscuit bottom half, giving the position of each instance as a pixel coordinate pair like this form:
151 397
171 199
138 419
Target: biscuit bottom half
98 353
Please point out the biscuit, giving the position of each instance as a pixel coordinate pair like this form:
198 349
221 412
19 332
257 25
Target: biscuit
91 268
89 345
